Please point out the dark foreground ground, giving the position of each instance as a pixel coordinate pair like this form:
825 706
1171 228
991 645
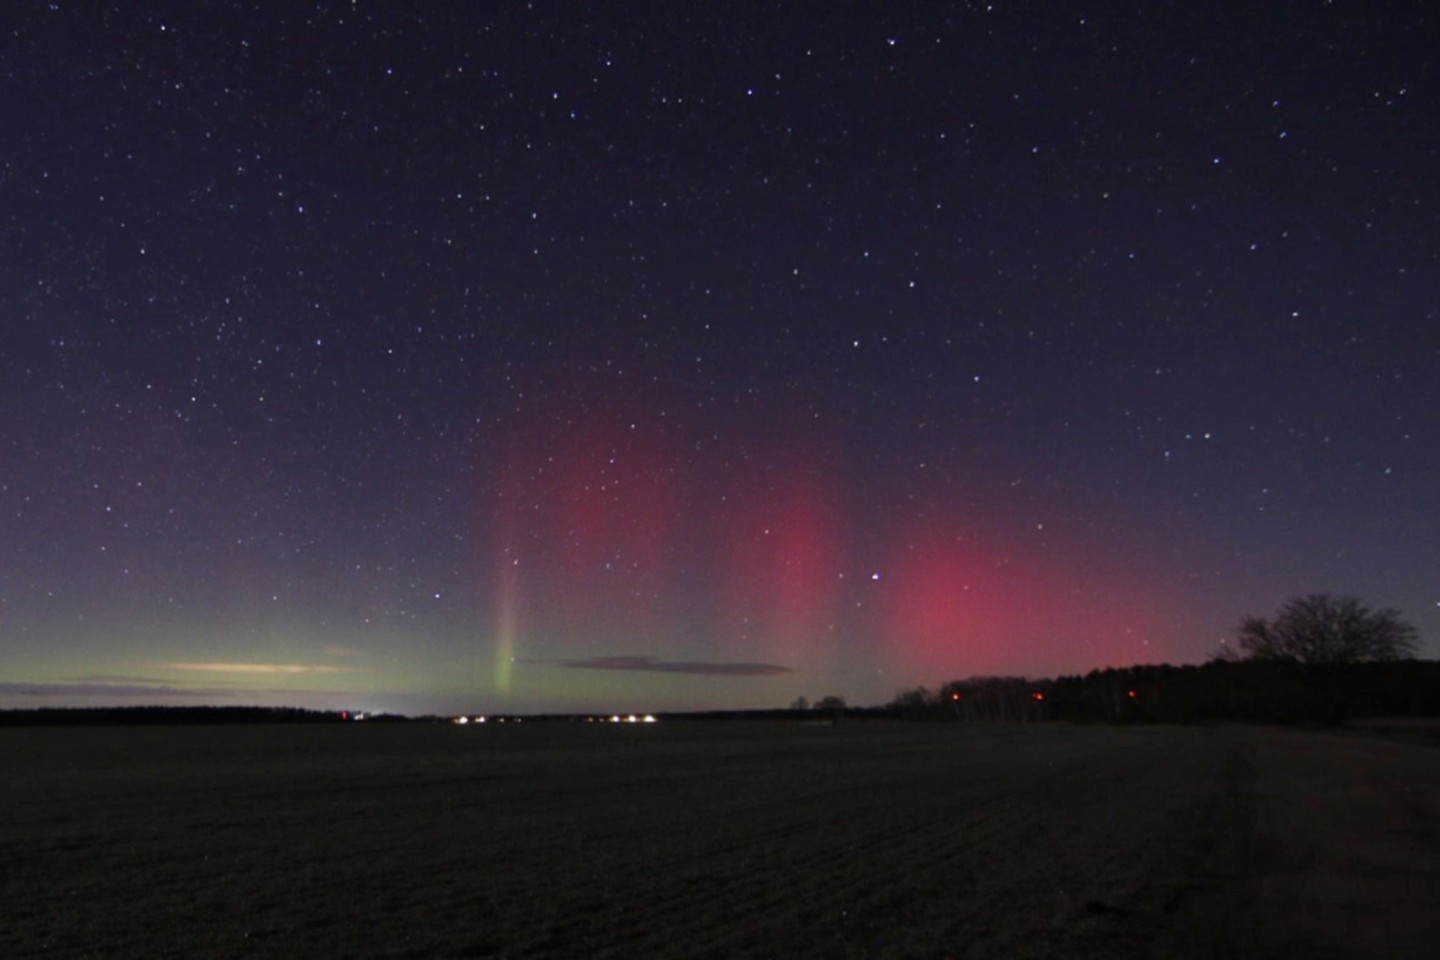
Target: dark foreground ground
869 839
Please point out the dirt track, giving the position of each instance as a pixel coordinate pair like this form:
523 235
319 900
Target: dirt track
1344 861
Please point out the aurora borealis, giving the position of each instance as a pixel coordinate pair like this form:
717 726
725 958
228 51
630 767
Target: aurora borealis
557 357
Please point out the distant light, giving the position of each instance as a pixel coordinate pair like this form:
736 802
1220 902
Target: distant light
615 719
462 720
1037 696
955 695
631 719
650 718
1132 694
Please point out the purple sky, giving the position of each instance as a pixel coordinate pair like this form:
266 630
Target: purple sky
565 357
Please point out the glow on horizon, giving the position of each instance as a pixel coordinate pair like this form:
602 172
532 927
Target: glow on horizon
263 668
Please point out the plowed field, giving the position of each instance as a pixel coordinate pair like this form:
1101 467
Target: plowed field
866 839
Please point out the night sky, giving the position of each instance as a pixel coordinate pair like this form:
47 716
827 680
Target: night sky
571 356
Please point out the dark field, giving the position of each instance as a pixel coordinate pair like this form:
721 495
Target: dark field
868 839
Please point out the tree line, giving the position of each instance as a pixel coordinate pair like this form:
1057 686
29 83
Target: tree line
1250 691
1320 659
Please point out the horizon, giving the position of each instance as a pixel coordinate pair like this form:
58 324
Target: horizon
1254 689
803 703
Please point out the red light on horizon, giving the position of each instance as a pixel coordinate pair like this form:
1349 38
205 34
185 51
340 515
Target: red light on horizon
1132 694
1037 696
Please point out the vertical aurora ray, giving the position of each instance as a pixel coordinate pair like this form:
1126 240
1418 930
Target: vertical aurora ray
507 627
783 550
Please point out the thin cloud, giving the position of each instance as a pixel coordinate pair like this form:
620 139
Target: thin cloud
264 668
110 690
123 678
116 693
652 665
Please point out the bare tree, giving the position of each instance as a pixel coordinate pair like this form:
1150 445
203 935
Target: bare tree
1319 628
914 703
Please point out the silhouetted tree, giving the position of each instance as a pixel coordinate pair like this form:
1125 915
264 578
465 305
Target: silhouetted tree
1321 629
833 705
918 704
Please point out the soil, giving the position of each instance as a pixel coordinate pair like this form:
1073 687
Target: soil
711 840
1345 856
